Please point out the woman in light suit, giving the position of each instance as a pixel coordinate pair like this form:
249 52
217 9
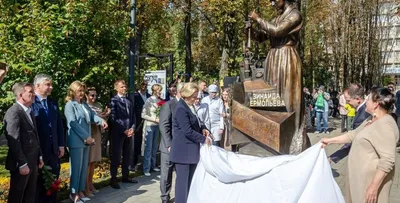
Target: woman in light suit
186 139
79 118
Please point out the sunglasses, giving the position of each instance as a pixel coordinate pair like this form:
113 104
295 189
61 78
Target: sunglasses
93 95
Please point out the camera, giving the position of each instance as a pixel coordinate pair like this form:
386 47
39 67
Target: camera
3 65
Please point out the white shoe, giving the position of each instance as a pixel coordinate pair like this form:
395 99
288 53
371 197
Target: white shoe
85 199
77 201
147 174
156 169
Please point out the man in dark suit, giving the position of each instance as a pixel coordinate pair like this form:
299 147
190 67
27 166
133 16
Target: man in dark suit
355 97
140 98
202 89
167 112
122 129
24 154
171 93
51 131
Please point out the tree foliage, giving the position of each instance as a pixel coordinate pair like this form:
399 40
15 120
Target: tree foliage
88 40
69 40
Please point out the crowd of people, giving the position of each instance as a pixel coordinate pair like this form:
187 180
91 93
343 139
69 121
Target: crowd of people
370 134
370 145
192 114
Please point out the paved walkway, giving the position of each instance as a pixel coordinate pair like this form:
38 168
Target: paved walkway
148 188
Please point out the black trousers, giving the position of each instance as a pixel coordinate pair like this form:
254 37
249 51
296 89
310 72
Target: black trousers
343 123
166 176
184 175
137 146
23 187
54 163
121 145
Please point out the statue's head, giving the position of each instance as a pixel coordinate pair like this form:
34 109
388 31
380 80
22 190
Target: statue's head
280 4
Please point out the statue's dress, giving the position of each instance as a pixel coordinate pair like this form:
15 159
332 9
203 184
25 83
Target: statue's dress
283 65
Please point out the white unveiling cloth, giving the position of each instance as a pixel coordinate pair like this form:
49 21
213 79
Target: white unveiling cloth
226 177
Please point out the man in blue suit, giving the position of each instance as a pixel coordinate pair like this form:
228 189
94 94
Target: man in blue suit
355 97
50 129
122 129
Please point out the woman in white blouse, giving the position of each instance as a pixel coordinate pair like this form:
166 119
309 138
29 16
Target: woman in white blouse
151 132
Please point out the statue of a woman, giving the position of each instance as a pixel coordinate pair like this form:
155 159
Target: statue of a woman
283 65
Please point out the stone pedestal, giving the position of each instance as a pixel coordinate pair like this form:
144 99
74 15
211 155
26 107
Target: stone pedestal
261 125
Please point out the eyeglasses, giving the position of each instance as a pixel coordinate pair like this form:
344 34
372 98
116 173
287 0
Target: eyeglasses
93 95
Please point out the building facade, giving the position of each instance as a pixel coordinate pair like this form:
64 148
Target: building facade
390 39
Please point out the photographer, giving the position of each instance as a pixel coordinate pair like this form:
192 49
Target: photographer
3 71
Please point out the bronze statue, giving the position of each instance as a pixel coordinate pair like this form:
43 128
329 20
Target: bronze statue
283 67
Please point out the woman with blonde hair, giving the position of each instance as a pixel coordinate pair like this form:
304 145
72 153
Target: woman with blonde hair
372 156
188 134
79 118
151 130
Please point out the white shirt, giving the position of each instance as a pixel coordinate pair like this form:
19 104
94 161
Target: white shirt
359 106
144 96
27 111
87 116
202 114
126 105
40 97
215 109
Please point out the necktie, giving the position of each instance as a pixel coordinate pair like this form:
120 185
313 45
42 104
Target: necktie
44 103
30 116
126 104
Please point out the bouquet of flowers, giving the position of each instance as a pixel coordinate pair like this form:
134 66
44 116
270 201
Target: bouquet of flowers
159 105
50 182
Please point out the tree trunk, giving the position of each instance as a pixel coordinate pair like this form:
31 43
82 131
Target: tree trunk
224 70
188 40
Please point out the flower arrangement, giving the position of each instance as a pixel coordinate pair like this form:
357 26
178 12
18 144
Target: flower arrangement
159 105
50 182
102 173
4 188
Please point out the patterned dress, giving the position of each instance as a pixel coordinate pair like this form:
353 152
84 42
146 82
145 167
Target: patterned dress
95 150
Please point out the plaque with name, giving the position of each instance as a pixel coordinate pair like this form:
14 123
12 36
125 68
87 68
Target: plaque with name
260 94
266 99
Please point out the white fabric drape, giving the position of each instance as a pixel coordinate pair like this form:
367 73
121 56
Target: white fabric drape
226 177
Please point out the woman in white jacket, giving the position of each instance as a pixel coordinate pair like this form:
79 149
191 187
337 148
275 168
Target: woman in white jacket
151 132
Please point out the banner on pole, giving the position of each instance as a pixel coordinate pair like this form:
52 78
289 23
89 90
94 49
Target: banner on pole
156 77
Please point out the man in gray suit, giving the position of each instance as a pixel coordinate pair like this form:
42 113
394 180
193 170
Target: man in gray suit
24 155
167 112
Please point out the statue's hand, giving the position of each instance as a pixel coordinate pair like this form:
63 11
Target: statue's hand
254 15
248 25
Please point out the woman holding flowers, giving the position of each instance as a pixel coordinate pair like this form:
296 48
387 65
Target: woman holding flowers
151 132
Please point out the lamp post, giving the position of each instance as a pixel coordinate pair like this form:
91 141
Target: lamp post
132 47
